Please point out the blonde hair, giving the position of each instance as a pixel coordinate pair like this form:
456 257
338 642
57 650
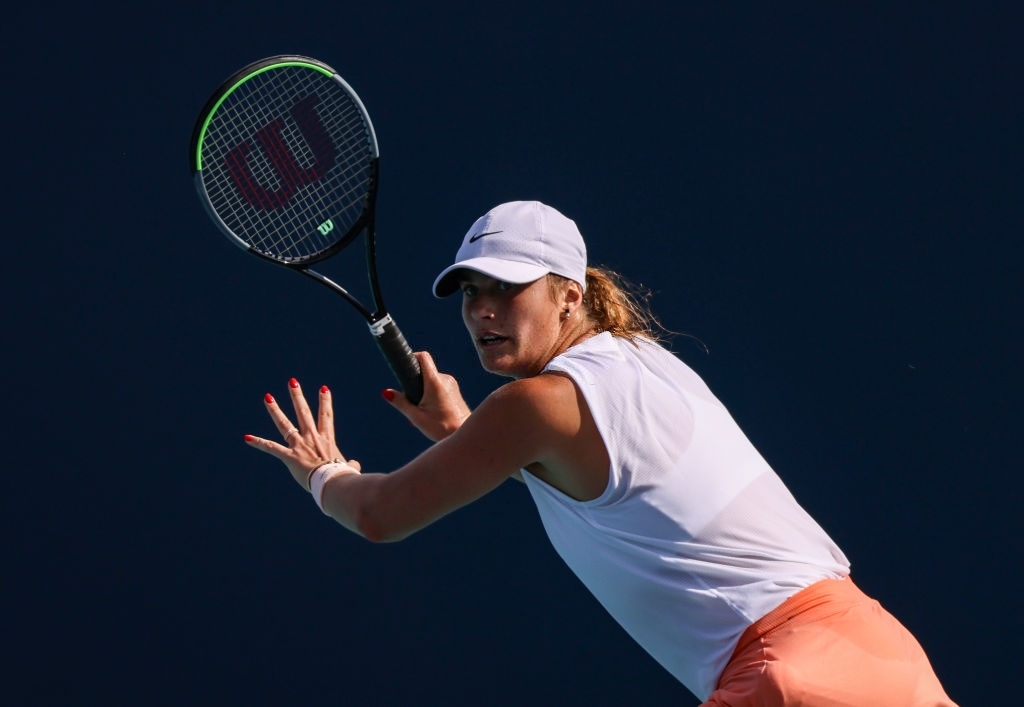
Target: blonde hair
615 305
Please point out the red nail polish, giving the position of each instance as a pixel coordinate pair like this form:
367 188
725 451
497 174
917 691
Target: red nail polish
388 394
324 390
268 399
248 438
293 383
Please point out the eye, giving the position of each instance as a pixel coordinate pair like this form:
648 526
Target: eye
504 286
468 290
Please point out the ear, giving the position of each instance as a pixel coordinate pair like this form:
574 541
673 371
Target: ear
573 295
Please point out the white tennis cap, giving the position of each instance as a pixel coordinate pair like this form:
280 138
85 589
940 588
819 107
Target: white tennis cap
519 242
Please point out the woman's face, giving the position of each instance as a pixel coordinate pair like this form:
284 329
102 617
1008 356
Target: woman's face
516 329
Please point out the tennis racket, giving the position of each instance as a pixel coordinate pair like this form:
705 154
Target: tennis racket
285 161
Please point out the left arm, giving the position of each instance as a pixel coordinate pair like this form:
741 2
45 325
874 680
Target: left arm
520 423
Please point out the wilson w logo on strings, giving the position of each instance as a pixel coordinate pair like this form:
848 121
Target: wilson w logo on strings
291 175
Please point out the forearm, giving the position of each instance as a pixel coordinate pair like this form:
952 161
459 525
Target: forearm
392 506
372 506
348 496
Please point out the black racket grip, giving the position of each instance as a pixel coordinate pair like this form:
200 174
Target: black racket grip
399 357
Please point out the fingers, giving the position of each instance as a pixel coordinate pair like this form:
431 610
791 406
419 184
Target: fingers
397 400
441 411
431 377
281 421
427 365
318 435
306 445
267 446
302 412
325 414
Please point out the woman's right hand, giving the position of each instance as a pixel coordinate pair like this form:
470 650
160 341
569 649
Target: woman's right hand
442 409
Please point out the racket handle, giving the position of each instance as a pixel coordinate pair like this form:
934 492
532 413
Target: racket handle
399 357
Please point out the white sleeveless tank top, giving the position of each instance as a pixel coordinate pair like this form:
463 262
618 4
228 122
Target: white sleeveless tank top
695 537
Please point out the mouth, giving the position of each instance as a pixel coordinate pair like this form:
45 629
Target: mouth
490 340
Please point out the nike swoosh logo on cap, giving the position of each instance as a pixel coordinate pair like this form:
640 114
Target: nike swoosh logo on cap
478 236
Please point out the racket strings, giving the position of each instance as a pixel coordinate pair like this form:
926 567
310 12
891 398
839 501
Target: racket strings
280 132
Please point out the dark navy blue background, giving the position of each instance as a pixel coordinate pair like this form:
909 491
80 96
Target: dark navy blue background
829 199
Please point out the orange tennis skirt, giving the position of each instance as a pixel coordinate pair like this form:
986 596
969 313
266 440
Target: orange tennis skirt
829 644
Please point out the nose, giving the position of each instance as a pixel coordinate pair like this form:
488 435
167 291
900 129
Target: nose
480 308
483 310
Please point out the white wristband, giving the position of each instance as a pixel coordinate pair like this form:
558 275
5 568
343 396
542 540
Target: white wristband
321 475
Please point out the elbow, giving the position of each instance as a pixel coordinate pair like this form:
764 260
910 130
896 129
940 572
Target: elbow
363 505
382 538
374 529
373 522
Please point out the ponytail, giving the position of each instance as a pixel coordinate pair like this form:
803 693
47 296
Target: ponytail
616 306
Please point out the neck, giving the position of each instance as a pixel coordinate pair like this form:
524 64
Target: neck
575 331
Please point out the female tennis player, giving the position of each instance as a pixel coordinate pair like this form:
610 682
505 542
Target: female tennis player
645 484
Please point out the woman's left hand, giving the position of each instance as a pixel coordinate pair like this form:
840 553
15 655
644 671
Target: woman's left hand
308 443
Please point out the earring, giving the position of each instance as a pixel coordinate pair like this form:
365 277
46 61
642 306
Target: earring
566 314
